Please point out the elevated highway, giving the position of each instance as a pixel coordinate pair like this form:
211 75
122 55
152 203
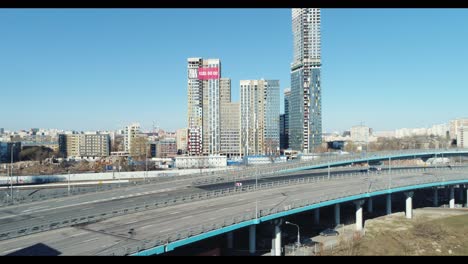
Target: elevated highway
162 229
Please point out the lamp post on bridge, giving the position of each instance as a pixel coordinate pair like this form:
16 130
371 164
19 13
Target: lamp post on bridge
298 233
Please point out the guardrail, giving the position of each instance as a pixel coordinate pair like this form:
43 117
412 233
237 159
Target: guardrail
76 220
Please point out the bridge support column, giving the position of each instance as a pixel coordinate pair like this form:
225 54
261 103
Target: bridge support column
369 205
359 221
317 216
466 201
436 197
389 203
409 204
252 239
278 240
452 197
460 193
337 214
230 240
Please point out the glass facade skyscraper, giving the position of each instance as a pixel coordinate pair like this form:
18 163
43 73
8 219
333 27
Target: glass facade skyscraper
305 116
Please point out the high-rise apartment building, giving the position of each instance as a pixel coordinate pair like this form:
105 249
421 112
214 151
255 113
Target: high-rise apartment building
130 133
260 106
229 121
84 145
204 106
305 117
287 98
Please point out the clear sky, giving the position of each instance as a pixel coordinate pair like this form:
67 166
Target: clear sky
90 69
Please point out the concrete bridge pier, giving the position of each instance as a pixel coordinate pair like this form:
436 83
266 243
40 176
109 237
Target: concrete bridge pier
452 197
317 216
409 204
466 201
278 240
359 221
252 238
460 193
389 203
337 214
436 197
369 205
230 240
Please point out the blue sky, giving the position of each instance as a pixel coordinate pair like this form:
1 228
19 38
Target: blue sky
88 69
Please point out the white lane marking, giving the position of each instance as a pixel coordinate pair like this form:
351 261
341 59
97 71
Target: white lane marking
164 230
35 208
133 222
7 216
11 250
212 218
79 234
241 199
87 208
146 226
176 212
89 240
188 216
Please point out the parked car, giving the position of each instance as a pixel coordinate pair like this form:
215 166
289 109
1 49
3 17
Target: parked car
329 232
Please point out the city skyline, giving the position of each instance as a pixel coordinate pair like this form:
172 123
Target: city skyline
104 82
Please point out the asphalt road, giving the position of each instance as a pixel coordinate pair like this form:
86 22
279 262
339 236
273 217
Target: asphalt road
114 233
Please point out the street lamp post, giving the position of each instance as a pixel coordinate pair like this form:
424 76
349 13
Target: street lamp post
298 233
68 182
146 162
11 172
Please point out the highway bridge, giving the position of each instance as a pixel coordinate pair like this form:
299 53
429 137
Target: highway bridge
157 218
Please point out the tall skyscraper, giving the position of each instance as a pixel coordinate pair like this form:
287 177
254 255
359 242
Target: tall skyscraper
287 98
305 118
260 115
204 106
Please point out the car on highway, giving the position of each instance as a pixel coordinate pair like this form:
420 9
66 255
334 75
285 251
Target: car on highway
329 232
375 169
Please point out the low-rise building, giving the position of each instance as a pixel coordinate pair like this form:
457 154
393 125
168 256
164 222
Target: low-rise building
84 145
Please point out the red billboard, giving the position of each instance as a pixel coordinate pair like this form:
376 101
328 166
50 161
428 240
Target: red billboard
208 73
